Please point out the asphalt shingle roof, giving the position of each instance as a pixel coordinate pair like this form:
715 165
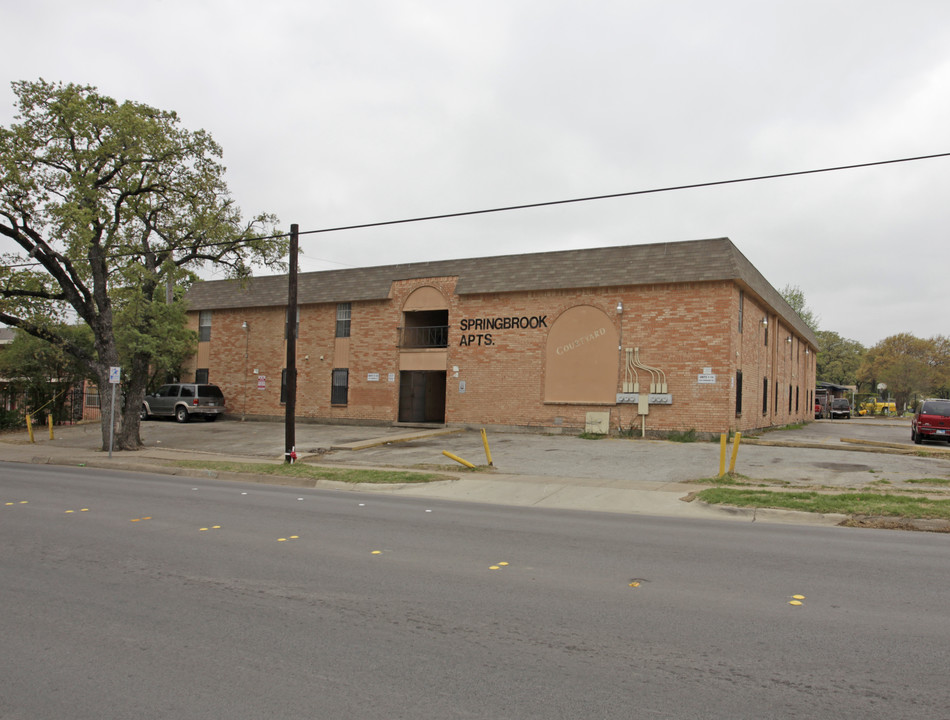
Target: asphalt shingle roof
622 266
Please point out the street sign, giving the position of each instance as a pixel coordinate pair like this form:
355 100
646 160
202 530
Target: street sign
115 373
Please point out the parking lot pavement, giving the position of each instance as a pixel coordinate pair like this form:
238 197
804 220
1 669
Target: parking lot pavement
608 462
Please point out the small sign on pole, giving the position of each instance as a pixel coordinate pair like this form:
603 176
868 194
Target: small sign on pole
115 375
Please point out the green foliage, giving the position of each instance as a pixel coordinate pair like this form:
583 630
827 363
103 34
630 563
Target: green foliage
29 363
907 365
11 420
684 437
304 471
838 358
796 299
108 205
866 503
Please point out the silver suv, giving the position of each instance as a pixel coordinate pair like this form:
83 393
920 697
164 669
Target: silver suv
182 400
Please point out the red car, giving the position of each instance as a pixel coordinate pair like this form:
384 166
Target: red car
931 421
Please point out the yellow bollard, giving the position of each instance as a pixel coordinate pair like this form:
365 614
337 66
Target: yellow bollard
29 427
722 454
457 459
735 452
50 418
487 450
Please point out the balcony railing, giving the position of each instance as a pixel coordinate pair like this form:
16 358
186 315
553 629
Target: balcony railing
424 337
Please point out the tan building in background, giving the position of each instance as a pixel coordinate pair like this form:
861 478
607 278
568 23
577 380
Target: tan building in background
642 338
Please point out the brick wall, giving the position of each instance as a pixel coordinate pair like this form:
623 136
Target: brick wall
684 329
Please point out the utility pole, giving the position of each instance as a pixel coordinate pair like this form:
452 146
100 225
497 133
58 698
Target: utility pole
290 409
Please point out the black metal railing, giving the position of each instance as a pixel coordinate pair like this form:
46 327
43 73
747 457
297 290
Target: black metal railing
66 406
424 337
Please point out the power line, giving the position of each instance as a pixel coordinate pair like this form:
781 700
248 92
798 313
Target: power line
551 203
620 194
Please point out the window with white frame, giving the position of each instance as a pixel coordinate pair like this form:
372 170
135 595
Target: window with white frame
204 326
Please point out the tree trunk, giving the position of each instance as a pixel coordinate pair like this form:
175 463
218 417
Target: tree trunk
127 437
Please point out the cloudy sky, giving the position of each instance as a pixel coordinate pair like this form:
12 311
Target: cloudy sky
340 113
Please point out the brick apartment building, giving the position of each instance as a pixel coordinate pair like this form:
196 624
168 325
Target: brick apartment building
648 338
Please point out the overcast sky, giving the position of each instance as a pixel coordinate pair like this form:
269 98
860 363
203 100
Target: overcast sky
340 113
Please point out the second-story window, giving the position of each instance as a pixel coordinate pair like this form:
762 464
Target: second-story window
343 320
204 326
741 307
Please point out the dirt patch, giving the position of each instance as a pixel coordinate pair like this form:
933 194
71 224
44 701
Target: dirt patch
891 523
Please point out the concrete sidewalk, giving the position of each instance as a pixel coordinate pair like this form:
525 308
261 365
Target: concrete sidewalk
78 446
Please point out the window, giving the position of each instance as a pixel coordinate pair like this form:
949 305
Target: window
204 326
741 308
201 376
796 397
765 396
339 386
343 320
765 324
92 397
789 398
738 393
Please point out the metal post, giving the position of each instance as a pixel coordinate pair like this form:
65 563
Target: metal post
291 407
112 421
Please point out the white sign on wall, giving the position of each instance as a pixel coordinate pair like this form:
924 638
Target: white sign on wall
372 377
706 379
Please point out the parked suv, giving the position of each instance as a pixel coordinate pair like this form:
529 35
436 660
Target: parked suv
182 400
931 421
840 407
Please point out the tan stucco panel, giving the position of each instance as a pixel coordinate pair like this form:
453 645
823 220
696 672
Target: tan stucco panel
341 352
437 360
581 358
425 298
203 358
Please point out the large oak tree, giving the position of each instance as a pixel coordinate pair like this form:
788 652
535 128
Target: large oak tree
111 209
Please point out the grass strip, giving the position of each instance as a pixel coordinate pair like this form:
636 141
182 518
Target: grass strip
856 503
315 472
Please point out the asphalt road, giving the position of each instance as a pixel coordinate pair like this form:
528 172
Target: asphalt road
146 596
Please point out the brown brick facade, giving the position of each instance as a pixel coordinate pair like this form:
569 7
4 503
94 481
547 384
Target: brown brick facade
498 358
